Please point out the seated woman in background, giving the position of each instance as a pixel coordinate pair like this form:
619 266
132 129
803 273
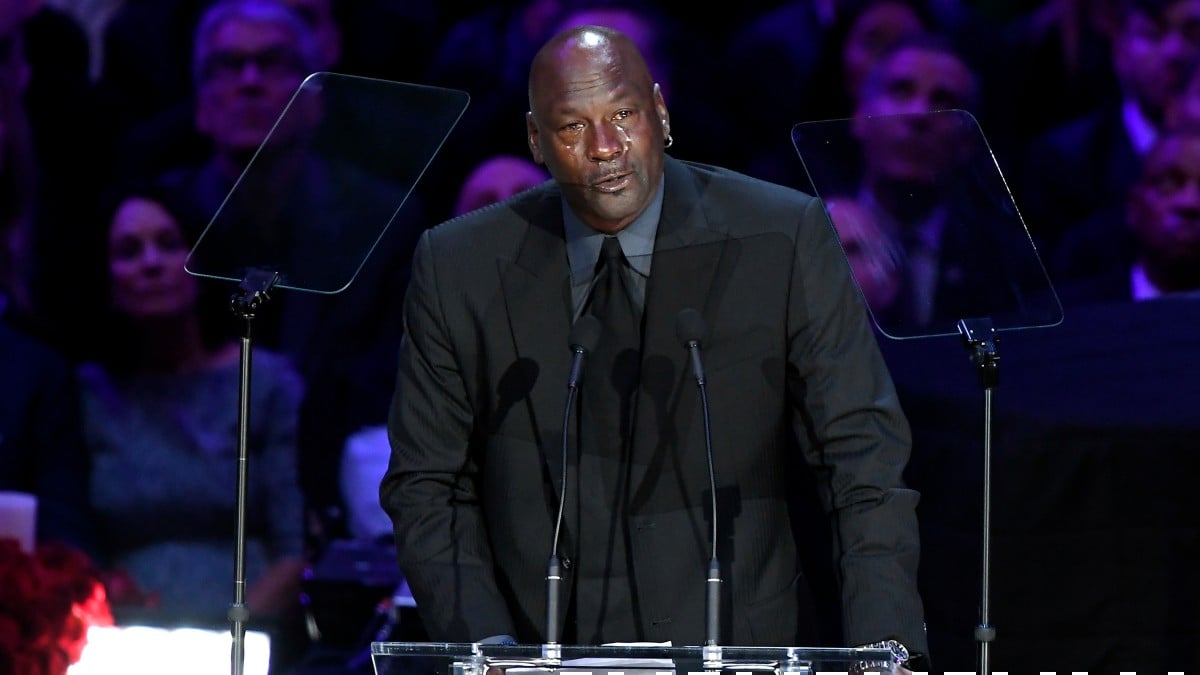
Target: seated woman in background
161 401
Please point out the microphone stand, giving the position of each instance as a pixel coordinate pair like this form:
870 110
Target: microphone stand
689 327
252 293
980 339
585 334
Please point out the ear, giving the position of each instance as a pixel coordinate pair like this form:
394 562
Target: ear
532 137
660 106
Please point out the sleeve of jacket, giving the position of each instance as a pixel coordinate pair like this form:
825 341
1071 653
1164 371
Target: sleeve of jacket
430 488
854 433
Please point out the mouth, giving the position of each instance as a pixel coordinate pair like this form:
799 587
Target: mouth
612 182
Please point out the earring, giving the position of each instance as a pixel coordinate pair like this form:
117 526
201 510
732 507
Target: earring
670 141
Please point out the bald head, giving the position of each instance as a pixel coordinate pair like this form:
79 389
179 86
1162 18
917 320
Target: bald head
584 56
599 124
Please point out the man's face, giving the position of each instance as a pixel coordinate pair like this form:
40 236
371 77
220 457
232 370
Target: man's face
1164 208
872 34
912 81
599 126
1152 55
247 76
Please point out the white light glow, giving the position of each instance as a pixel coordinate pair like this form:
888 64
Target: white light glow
142 650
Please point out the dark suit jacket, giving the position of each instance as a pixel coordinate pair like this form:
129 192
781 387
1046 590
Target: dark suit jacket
793 374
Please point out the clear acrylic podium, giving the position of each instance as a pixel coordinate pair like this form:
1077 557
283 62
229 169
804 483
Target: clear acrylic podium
443 658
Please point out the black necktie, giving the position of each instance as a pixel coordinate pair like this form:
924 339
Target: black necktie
601 594
614 363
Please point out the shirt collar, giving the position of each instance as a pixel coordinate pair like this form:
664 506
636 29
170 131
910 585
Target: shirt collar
637 240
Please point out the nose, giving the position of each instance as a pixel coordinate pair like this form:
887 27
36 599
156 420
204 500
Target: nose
608 141
251 72
920 103
152 259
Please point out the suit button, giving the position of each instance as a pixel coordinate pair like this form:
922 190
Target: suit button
566 563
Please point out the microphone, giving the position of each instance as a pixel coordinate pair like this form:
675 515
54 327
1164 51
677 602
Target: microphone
585 335
690 329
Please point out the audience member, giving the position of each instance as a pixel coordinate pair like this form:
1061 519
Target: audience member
161 403
304 212
496 179
23 214
1103 241
823 71
180 133
71 144
1082 168
875 263
1160 255
864 31
963 248
68 132
169 136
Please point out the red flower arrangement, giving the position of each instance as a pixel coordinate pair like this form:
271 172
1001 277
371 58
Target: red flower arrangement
48 600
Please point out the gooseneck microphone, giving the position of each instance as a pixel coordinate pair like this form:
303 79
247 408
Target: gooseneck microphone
585 335
690 329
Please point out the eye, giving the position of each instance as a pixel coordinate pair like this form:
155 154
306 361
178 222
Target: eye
170 241
1168 181
126 248
901 89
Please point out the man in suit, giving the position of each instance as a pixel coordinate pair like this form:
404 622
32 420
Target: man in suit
476 474
927 181
1079 170
1160 255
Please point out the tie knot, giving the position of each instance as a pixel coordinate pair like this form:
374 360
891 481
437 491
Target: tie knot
610 251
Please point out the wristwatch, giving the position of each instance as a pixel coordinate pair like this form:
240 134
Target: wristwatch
900 657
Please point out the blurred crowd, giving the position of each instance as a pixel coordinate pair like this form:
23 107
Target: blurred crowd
124 125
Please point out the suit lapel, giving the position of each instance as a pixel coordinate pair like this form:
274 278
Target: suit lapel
687 258
536 291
